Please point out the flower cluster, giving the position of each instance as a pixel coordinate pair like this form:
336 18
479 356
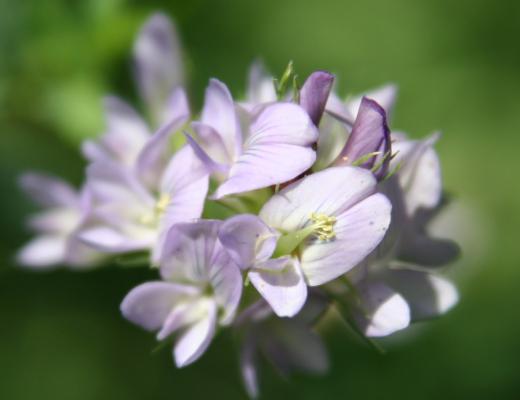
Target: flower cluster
259 215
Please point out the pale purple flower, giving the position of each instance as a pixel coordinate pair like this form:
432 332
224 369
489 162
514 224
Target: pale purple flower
65 212
137 207
260 87
200 288
288 344
248 151
159 76
329 222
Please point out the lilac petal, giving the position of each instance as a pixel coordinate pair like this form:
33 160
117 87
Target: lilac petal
55 220
293 346
273 264
314 94
226 281
260 86
330 192
48 191
109 181
219 113
358 231
381 310
428 295
149 304
188 251
212 142
194 342
285 290
277 150
109 240
186 181
369 134
126 134
384 96
212 166
420 173
158 63
177 106
43 252
154 155
247 239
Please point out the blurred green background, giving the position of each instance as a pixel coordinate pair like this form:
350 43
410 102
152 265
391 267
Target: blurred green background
458 67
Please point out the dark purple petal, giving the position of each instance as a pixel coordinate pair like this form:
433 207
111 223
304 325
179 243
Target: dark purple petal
315 93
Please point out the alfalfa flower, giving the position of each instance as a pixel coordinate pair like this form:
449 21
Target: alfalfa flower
200 288
65 212
252 150
327 223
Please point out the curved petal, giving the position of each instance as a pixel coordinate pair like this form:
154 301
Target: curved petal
109 240
226 281
284 290
43 252
194 342
315 93
358 231
247 239
380 311
48 191
370 134
219 113
330 192
420 173
158 62
277 150
149 304
155 154
188 251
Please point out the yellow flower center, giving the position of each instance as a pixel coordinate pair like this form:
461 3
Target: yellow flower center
323 226
152 217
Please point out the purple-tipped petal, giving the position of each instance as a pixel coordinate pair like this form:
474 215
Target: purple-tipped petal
158 63
428 296
247 239
149 304
219 113
284 290
380 311
196 339
48 191
370 134
358 231
277 150
43 252
315 93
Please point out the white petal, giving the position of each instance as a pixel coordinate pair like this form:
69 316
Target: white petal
43 252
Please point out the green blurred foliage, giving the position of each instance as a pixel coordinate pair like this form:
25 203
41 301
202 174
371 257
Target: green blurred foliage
457 64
